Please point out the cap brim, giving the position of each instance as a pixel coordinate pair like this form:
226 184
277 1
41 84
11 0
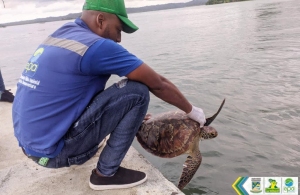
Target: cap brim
128 26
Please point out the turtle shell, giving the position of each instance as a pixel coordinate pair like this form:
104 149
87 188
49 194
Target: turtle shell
169 134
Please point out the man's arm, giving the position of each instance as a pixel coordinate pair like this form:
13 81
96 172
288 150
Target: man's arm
160 87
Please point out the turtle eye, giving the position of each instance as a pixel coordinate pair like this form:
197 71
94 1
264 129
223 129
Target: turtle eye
213 135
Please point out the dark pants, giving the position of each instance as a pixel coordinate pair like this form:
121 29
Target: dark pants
119 111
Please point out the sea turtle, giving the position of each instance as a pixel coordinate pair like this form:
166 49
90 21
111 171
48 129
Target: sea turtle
171 134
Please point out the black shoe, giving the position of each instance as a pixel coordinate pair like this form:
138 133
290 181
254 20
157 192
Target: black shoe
123 178
7 96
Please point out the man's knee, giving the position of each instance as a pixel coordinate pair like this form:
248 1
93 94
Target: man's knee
141 88
136 87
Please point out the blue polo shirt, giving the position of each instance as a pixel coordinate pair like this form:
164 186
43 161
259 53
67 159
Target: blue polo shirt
58 82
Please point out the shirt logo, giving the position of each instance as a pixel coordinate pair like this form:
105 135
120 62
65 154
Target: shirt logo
32 65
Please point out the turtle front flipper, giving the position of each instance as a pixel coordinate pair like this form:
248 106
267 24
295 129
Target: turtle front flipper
191 165
211 119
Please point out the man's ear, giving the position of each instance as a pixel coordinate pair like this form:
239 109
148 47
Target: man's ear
100 19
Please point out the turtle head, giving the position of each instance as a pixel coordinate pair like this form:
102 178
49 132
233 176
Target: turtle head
208 132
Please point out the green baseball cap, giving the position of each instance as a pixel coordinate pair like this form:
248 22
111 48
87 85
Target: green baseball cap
116 7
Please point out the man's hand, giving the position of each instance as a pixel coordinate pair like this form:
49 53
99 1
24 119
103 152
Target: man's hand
197 114
147 117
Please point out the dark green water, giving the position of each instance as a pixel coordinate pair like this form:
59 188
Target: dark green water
246 52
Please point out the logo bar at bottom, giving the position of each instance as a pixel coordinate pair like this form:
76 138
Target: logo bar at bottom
266 185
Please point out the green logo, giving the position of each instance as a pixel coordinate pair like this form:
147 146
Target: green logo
32 65
43 161
272 187
289 182
289 188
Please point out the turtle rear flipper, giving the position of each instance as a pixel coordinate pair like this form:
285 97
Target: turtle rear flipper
191 165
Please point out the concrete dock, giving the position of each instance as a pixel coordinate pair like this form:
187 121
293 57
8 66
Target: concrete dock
20 175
